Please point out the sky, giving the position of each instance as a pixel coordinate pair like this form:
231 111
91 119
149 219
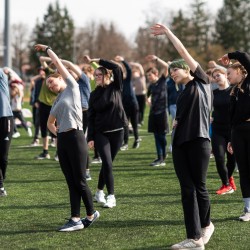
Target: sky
127 15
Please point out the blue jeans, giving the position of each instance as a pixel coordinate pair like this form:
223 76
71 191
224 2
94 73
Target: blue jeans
161 144
172 110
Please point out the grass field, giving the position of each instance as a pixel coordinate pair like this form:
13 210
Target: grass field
148 213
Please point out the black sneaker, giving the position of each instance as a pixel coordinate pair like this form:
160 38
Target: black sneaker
71 226
43 156
136 144
86 222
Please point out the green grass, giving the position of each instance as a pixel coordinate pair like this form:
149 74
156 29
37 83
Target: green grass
148 213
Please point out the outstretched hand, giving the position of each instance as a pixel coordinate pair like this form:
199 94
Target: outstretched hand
40 47
86 59
158 29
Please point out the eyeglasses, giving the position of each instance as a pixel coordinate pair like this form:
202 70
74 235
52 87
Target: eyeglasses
99 75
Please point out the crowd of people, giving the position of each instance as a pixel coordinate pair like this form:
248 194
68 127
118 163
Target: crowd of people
205 111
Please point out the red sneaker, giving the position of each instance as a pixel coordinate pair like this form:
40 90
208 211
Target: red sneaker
225 190
232 183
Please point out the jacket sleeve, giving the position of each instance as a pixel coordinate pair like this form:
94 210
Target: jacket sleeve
91 121
117 72
242 57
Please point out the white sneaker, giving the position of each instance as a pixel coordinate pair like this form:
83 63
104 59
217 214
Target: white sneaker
29 132
245 216
35 143
3 192
189 244
124 147
100 197
96 160
16 135
207 233
111 201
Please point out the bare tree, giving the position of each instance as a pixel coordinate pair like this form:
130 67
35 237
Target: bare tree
20 36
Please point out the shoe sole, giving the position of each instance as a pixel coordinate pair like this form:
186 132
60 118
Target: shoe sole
71 229
245 220
188 248
228 192
106 206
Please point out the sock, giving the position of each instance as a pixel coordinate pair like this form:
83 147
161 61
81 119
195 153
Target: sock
45 151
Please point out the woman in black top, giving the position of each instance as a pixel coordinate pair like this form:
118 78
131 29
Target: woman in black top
239 75
106 120
191 143
221 132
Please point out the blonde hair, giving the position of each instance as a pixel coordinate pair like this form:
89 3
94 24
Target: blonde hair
220 70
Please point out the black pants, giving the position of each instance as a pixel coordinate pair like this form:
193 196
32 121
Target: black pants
141 99
108 145
72 152
191 161
225 170
241 148
132 115
85 126
36 121
6 131
19 115
44 111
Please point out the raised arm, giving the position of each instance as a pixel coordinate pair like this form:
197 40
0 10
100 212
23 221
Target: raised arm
75 68
54 58
154 58
159 29
44 60
138 66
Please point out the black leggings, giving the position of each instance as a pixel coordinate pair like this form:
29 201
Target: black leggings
108 145
6 128
19 115
241 148
191 161
44 111
141 99
220 140
36 121
132 114
72 152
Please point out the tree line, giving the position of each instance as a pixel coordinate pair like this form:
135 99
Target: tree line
206 35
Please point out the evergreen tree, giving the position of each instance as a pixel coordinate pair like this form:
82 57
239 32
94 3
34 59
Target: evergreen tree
181 28
232 25
57 31
200 26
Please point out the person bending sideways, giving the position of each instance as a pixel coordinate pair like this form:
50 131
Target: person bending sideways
65 121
